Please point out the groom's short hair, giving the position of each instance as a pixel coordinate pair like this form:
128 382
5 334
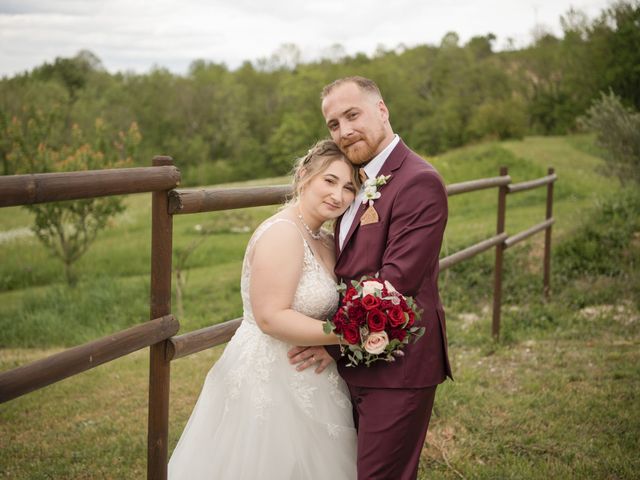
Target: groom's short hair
363 83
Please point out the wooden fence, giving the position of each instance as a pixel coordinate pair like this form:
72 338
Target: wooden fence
158 333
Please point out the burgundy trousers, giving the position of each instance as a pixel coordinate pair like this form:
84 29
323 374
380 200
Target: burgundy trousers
392 425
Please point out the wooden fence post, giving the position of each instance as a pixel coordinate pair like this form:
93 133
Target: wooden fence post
159 364
547 239
497 274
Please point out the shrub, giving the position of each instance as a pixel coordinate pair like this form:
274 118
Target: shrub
598 246
618 134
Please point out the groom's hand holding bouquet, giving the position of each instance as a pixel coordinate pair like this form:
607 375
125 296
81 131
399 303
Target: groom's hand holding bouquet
374 321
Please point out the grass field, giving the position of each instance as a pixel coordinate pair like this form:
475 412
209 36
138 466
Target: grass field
556 397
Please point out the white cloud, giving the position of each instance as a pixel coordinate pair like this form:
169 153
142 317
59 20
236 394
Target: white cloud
135 35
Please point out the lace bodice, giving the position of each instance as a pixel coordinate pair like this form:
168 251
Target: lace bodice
316 295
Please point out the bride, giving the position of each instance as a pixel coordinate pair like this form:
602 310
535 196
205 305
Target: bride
257 416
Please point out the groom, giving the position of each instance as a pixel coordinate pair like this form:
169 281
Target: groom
401 241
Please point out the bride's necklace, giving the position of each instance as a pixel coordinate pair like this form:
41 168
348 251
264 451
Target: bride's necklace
314 235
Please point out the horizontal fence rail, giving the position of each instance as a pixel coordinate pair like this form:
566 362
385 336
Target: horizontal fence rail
212 199
201 339
471 251
480 184
53 187
185 201
522 186
511 241
46 371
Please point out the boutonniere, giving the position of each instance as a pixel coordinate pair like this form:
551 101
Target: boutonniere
371 185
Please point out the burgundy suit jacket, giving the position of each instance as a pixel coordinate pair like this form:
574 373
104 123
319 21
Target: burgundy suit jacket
404 247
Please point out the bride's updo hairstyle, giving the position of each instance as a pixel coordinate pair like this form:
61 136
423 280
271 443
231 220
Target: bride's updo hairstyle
316 161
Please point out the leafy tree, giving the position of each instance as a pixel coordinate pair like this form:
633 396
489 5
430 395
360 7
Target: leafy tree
615 42
67 229
618 132
500 119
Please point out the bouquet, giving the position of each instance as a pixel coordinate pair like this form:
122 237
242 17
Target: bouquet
374 321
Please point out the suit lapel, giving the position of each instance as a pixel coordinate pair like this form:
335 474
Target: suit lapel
336 236
352 228
393 162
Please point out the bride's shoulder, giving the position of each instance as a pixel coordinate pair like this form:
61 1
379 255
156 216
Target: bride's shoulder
276 247
277 232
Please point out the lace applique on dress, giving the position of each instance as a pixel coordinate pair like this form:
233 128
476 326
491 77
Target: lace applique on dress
303 392
338 395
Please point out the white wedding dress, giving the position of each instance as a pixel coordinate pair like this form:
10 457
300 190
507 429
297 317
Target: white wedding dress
259 418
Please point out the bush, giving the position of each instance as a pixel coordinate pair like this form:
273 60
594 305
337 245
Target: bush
598 246
618 134
500 119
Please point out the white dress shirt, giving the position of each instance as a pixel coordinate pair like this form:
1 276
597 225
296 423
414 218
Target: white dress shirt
371 169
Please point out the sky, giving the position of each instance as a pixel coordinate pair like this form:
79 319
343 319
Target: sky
137 36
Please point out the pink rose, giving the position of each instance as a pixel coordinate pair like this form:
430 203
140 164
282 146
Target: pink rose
376 342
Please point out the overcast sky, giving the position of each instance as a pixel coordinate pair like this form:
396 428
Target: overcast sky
135 35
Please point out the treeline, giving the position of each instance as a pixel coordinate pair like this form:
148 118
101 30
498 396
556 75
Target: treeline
222 125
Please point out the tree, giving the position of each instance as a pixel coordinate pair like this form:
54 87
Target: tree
615 36
67 229
618 132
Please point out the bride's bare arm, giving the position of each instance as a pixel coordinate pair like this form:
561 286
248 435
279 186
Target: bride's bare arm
276 268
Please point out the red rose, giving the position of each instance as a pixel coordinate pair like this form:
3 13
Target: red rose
370 302
397 333
404 305
376 320
349 294
412 318
396 316
351 334
385 305
340 319
356 313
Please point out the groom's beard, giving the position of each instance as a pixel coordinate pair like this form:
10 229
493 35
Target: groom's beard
360 152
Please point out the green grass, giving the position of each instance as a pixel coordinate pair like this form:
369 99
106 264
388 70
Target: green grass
556 397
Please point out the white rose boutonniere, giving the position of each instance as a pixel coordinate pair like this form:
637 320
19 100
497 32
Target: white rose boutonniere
371 185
